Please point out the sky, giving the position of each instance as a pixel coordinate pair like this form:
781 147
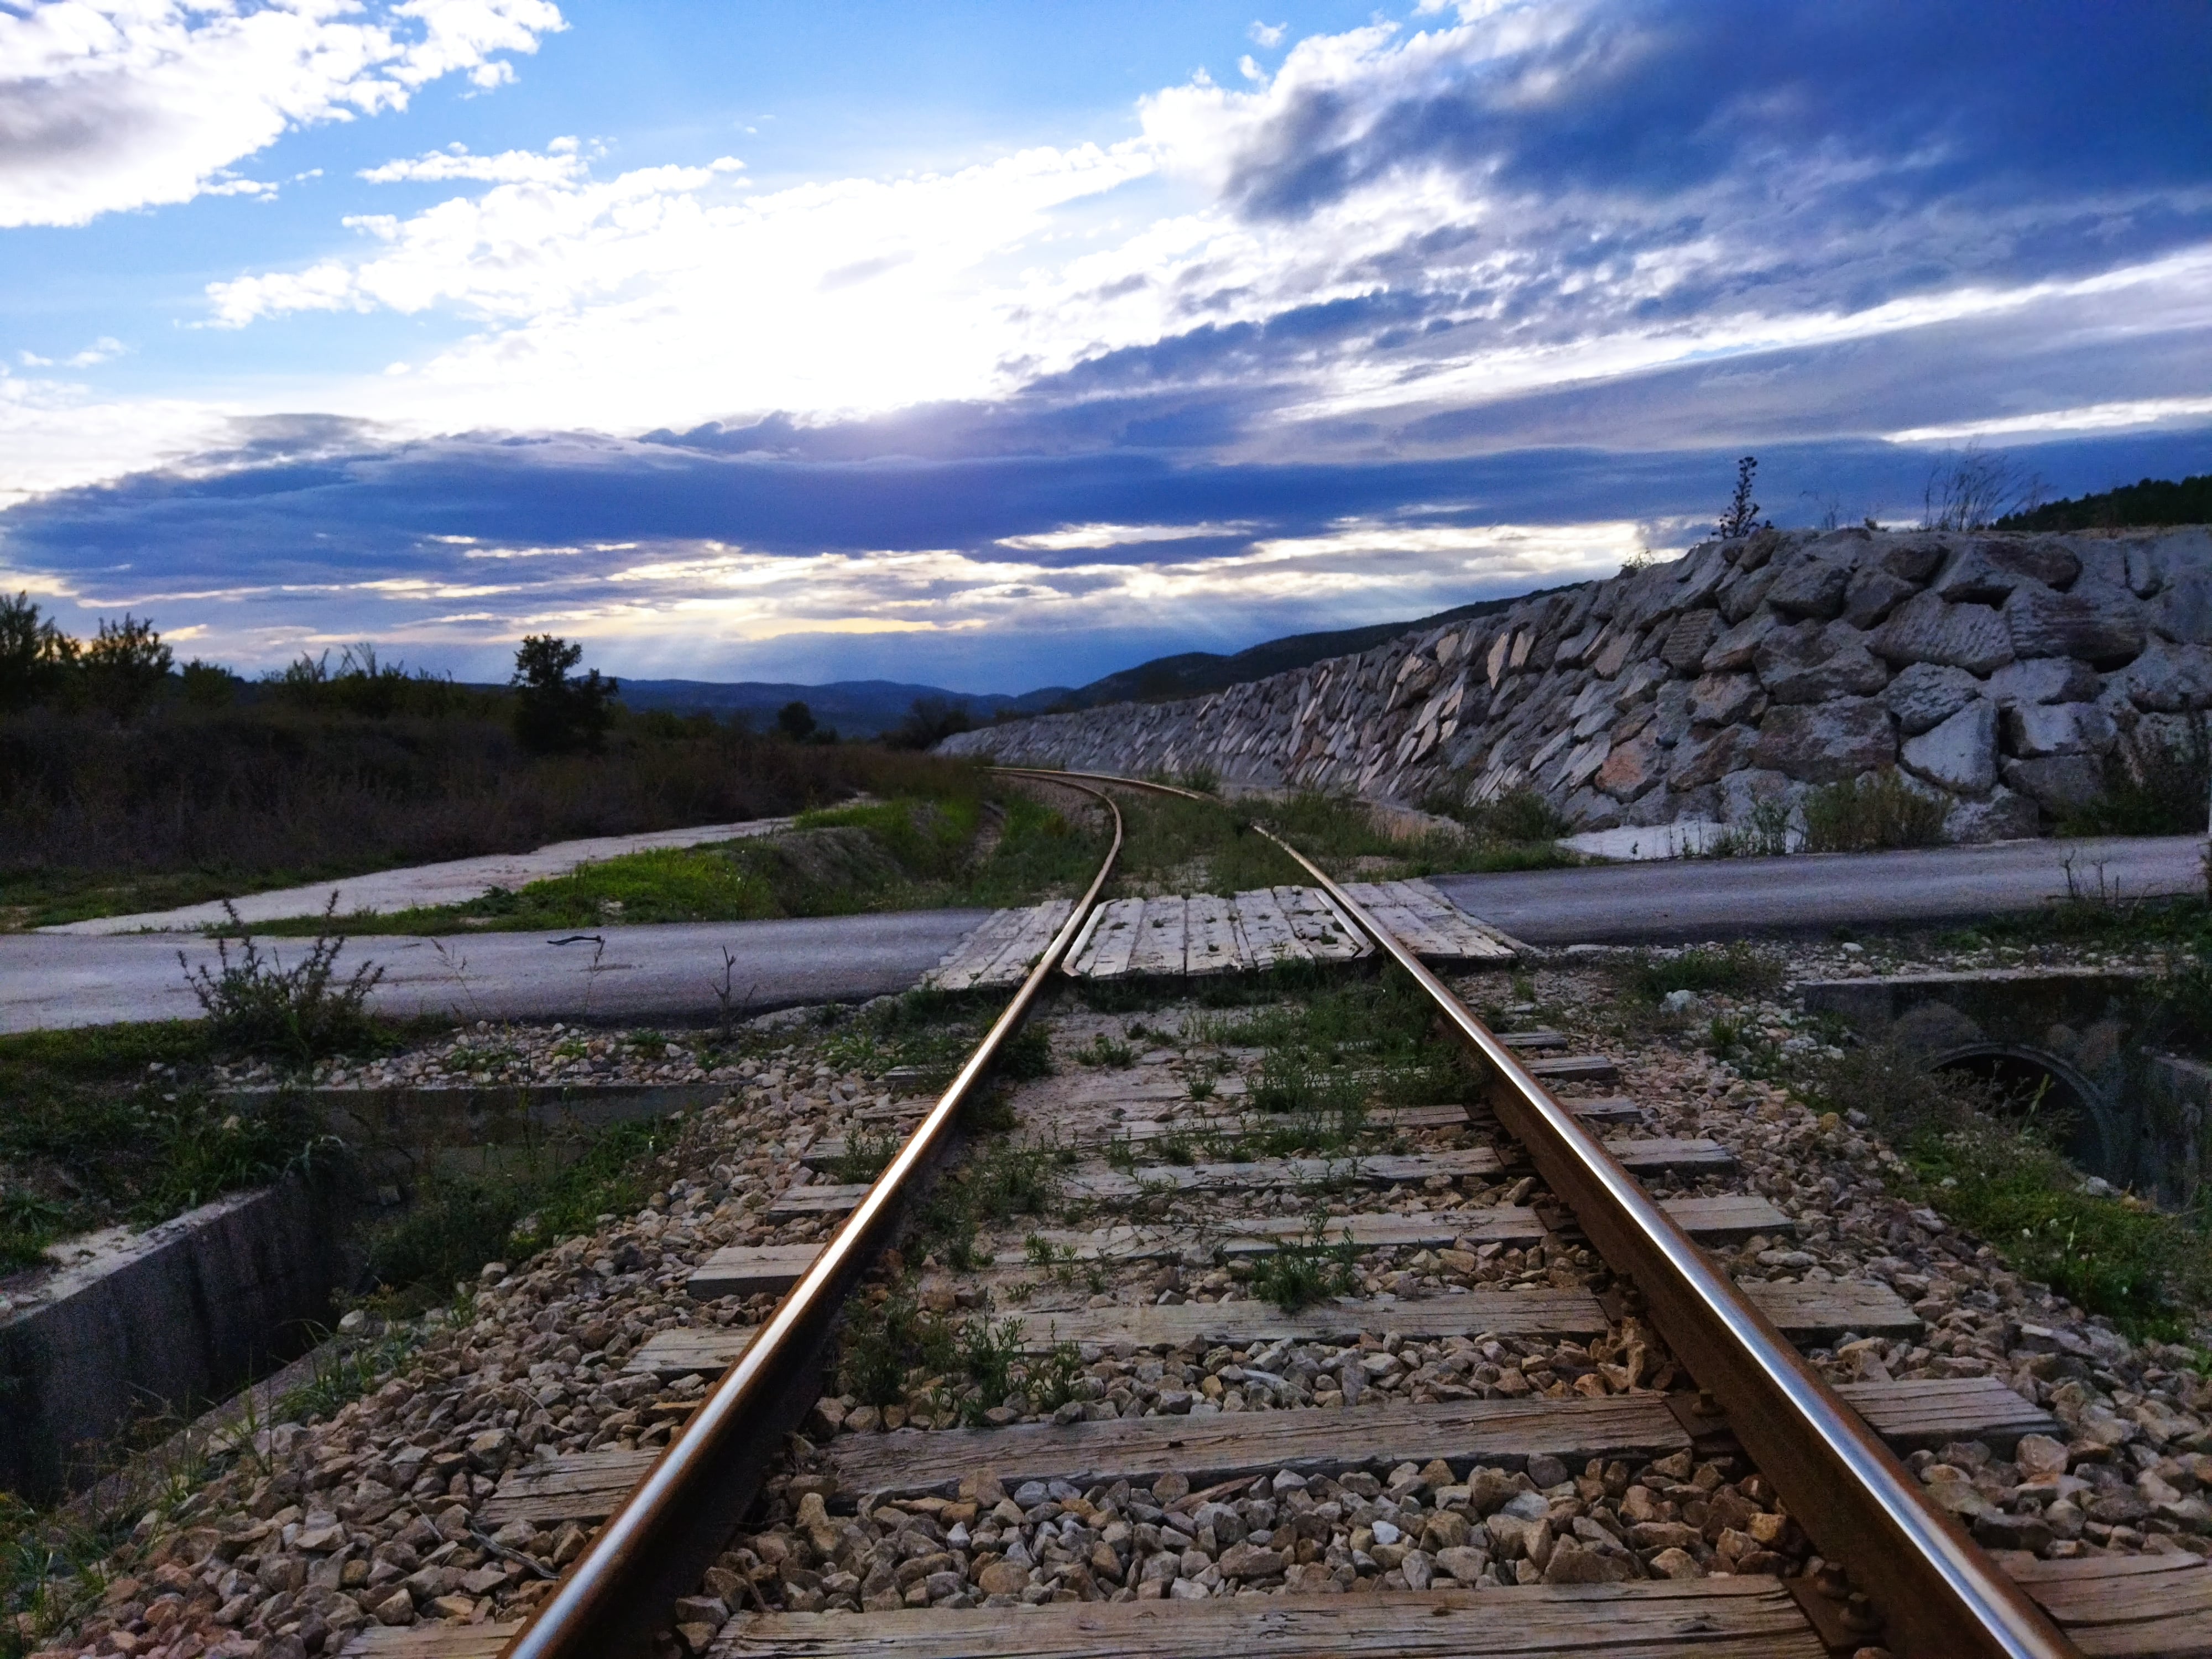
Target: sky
997 346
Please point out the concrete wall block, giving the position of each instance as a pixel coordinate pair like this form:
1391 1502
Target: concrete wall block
179 1315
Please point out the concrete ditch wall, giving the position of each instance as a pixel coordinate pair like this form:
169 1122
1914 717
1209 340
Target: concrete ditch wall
186 1312
1996 672
178 1316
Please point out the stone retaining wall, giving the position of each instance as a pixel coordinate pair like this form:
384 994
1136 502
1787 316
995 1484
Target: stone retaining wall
1994 672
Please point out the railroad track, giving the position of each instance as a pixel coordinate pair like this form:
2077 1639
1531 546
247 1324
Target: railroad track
1679 1481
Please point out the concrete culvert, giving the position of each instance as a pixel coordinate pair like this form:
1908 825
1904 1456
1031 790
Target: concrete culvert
2031 1083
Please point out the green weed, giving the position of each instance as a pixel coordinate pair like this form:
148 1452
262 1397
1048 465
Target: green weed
1307 1270
1105 1051
2154 785
1736 969
1880 811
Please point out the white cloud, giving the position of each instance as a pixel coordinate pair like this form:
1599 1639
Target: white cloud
55 434
559 164
1070 538
106 105
672 293
1267 34
2086 418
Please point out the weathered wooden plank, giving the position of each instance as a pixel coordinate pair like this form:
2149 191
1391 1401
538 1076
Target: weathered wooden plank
685 1349
1160 935
572 1486
1728 1216
1499 1433
1503 1223
751 1270
819 1198
1719 1618
1428 922
1536 1040
1263 931
1473 940
1019 954
1377 1171
1585 1069
1327 934
1496 1433
746 1270
1611 1109
1935 1411
1647 1155
977 952
1821 1313
1106 956
1389 912
1524 1313
1210 944
1806 1312
1563 1313
482 1641
2137 1606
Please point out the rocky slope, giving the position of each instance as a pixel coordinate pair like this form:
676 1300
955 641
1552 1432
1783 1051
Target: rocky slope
1994 672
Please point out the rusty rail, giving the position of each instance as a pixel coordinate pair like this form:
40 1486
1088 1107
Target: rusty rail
675 1522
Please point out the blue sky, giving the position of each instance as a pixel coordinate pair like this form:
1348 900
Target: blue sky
1000 346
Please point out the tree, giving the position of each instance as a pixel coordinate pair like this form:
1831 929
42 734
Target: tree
126 666
34 654
794 720
928 722
556 712
208 684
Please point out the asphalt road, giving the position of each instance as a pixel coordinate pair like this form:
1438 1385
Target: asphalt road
668 972
455 882
49 980
1684 899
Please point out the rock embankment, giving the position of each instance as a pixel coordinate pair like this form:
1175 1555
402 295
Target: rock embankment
1996 673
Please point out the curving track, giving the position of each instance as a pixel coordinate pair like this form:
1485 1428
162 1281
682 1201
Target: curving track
1897 1572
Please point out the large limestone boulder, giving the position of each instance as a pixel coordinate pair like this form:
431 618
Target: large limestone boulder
1926 694
1826 742
1961 755
2102 625
1930 628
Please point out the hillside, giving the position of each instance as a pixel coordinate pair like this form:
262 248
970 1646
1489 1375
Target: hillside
1192 673
863 708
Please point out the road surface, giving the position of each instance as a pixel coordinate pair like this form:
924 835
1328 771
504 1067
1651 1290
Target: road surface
668 972
1812 892
454 882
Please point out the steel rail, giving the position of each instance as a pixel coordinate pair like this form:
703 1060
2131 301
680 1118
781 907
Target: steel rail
1939 1593
675 1522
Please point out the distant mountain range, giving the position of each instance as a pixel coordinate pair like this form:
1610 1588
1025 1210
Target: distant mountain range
856 708
862 708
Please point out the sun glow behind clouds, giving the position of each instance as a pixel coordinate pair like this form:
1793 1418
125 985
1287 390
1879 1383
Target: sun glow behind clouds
714 593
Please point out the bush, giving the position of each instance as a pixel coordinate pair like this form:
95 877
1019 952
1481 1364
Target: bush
259 1005
1878 811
